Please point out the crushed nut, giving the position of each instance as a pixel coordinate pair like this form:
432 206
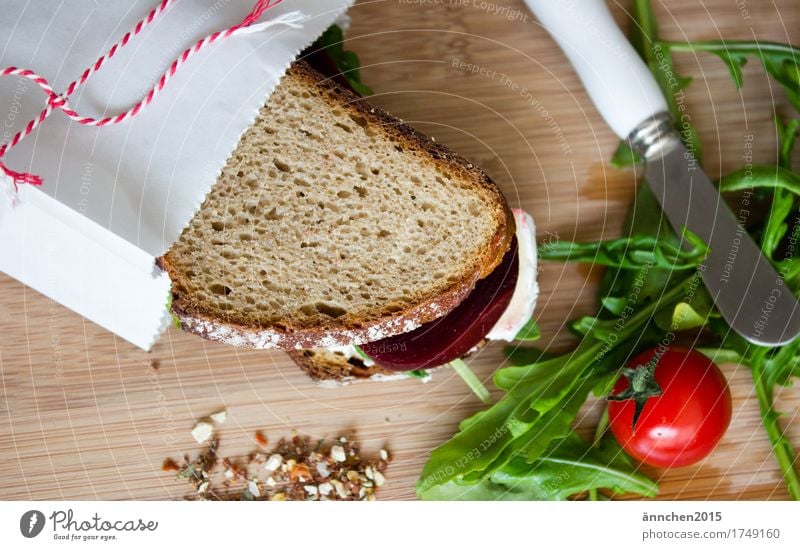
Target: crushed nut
322 469
296 469
202 431
220 416
338 454
339 486
273 462
325 488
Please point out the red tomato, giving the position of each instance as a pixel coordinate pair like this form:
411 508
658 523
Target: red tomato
682 425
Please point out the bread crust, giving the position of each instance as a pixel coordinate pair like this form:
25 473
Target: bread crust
338 332
332 369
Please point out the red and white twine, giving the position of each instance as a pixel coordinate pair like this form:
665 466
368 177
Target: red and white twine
60 101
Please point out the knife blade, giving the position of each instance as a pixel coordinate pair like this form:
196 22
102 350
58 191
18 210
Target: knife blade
748 292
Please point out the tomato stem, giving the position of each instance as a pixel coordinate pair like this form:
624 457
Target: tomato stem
781 445
642 386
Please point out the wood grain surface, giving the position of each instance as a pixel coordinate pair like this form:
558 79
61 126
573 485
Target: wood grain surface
85 415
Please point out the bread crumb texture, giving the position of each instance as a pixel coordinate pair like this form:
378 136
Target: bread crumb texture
330 213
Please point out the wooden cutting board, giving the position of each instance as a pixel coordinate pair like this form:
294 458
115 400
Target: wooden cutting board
85 415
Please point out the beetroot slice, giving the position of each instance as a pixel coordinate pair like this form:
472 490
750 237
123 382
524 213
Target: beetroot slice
452 336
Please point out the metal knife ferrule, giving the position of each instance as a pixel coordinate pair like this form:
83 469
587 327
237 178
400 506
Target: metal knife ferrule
654 135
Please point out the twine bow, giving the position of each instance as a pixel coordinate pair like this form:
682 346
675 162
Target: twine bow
57 101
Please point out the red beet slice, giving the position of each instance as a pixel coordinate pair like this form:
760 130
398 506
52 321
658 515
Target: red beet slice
452 336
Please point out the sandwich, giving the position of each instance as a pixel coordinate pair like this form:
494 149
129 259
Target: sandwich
342 235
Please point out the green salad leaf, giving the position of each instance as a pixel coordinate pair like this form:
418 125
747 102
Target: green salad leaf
624 155
781 61
470 379
568 468
524 446
332 41
541 401
529 332
629 252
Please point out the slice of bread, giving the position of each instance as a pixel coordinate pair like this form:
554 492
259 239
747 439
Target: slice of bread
333 223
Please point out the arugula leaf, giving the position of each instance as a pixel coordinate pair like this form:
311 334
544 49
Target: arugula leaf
632 252
624 155
790 270
176 322
520 355
769 366
682 317
469 378
644 218
760 176
763 381
784 184
361 353
644 37
570 467
782 200
541 401
787 137
781 61
529 331
332 41
688 314
506 450
419 373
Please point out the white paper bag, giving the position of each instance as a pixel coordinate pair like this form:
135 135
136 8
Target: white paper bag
114 198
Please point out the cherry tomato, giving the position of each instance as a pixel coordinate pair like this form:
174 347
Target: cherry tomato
682 425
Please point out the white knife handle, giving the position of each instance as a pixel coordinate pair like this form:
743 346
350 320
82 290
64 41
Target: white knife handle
618 81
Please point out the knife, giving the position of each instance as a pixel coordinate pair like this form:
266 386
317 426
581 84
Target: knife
749 294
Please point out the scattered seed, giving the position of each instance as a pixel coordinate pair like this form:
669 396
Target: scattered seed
273 462
296 469
220 416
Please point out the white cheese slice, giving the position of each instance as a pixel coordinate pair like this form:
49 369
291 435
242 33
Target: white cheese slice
523 301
